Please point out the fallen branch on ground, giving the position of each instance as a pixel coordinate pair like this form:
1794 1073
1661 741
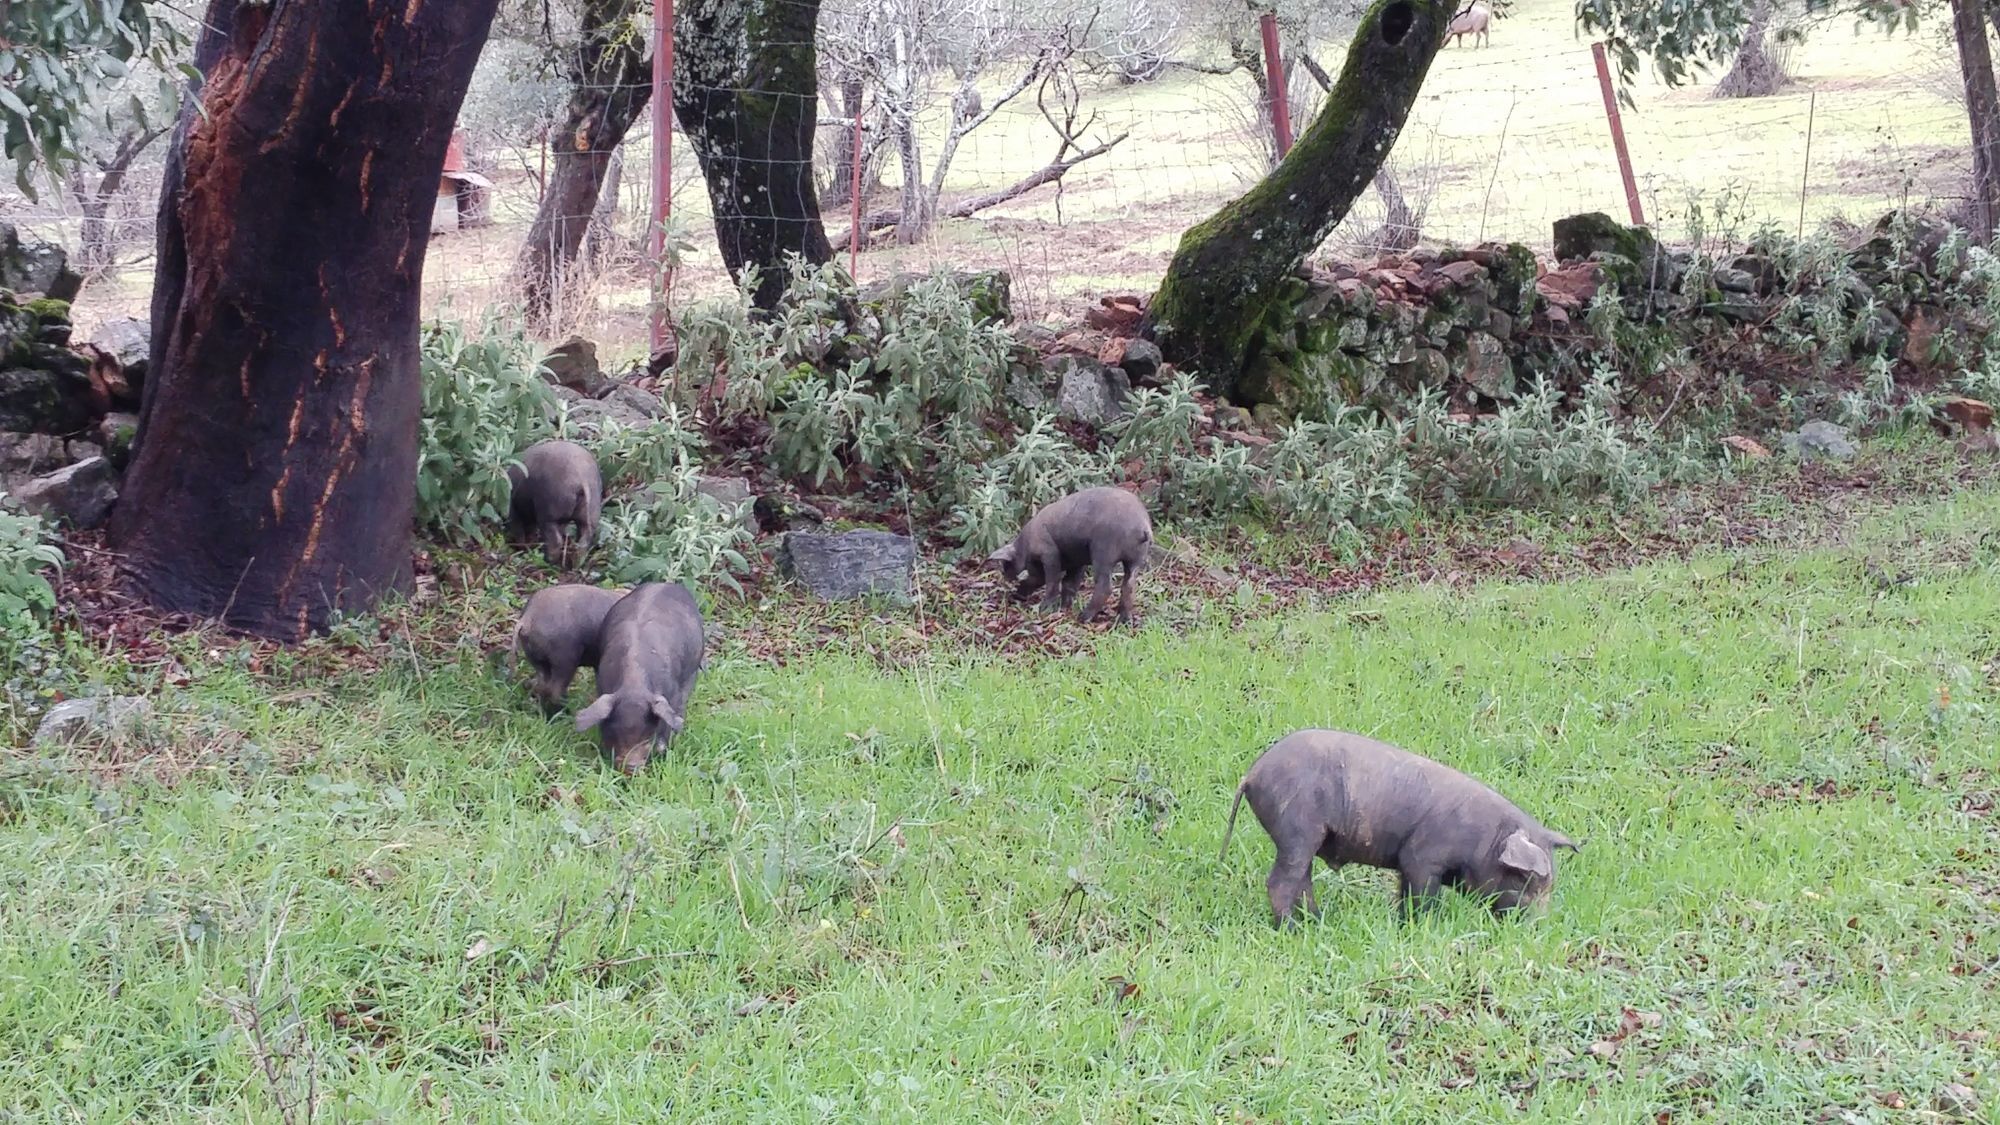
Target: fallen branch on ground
972 205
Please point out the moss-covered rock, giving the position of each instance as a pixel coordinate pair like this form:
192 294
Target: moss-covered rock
1580 236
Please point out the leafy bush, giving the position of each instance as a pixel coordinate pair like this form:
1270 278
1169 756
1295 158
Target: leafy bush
909 387
484 401
659 526
26 598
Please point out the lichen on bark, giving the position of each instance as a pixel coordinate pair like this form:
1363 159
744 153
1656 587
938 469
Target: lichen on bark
1226 285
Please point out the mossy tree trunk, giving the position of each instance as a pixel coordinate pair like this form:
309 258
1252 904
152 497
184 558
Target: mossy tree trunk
746 92
1229 271
611 80
273 480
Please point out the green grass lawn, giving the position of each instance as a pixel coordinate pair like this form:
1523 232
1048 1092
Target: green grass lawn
987 888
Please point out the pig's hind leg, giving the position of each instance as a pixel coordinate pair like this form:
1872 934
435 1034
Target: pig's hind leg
1102 562
1289 881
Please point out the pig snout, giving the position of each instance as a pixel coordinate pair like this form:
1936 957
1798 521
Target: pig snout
632 760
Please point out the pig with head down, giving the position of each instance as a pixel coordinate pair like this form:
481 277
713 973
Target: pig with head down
649 653
1105 529
557 635
1349 799
557 492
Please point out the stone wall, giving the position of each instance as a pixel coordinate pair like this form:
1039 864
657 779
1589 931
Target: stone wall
66 410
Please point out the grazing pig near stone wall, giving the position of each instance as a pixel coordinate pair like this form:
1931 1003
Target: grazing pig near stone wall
1350 799
558 634
1473 21
556 484
650 651
1099 527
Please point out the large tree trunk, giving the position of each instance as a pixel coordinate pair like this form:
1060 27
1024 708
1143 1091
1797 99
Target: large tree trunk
1755 73
1982 109
1230 270
273 481
610 84
745 88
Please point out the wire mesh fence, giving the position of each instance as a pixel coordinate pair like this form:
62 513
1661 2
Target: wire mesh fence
1073 154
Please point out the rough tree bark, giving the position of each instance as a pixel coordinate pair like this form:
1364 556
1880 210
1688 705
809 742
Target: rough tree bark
1755 73
1230 270
273 481
1982 109
745 90
611 81
1402 224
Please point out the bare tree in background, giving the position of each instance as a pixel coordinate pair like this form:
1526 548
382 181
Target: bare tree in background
901 47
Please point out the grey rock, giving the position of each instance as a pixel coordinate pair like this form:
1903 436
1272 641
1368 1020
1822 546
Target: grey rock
731 492
115 432
79 450
80 495
1024 391
588 416
103 716
1500 324
1087 395
128 340
849 564
1486 367
1322 294
775 513
31 266
573 364
1729 279
1352 334
26 455
1142 360
1822 440
638 399
44 400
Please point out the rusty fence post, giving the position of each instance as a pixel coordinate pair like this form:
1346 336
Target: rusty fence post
663 160
1274 81
1617 134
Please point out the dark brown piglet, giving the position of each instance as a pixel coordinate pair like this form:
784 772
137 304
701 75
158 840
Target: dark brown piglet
650 653
1102 528
1350 799
557 635
556 485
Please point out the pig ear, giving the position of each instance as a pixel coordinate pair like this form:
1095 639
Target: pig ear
1558 840
664 711
1002 557
1522 854
597 712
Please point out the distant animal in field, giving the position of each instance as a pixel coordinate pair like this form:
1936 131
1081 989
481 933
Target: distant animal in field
1102 528
1348 799
1474 21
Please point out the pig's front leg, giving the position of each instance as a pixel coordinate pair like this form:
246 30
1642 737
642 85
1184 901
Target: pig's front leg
1419 889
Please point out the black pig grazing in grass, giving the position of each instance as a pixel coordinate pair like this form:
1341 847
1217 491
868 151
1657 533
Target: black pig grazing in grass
1100 528
558 634
650 651
556 484
1349 799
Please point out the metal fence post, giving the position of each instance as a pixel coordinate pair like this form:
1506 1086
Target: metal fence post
1274 81
1617 135
663 160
